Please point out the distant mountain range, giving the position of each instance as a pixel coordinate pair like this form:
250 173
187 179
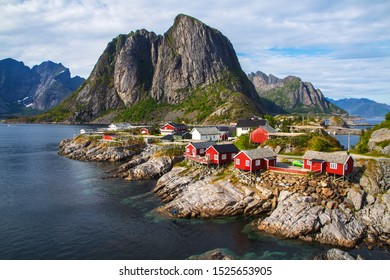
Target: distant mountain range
36 89
362 107
291 95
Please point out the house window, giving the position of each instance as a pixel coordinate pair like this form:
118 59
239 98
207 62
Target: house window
223 156
201 151
233 155
237 161
247 163
216 157
245 128
346 167
188 150
309 162
257 162
333 165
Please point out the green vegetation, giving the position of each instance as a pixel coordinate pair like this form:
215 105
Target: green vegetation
145 110
312 141
243 142
170 151
198 106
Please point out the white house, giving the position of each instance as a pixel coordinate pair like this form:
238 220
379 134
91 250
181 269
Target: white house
86 131
119 126
245 126
205 133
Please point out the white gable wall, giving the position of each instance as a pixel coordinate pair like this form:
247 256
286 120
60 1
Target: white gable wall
206 137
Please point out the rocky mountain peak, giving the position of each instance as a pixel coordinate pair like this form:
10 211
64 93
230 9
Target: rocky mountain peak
168 69
291 95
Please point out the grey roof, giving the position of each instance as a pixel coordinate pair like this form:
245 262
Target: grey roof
260 153
328 157
176 124
226 148
251 123
268 128
207 130
203 145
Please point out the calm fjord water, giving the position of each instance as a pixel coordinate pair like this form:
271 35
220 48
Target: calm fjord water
52 207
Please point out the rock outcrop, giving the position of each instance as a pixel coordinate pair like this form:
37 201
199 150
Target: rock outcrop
299 216
291 95
194 194
41 87
377 138
190 59
337 254
84 149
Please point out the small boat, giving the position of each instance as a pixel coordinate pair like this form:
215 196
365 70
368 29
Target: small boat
297 163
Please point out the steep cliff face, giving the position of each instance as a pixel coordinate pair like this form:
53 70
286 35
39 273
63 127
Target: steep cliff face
291 95
168 71
41 87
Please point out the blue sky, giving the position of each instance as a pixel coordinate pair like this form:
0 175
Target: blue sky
342 47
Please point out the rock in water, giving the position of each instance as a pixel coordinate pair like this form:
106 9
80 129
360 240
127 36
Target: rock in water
337 254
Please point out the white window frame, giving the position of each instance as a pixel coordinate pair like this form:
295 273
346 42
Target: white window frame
333 165
247 162
309 162
188 150
216 157
257 162
345 166
223 156
233 155
201 151
237 161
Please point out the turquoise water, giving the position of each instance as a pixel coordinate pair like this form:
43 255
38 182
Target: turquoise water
56 208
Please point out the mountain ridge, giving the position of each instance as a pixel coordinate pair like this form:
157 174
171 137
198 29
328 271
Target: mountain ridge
40 88
291 95
362 107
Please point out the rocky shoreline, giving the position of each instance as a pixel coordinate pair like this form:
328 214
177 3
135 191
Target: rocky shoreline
314 209
311 208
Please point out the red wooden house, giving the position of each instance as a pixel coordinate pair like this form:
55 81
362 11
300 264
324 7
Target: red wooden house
253 160
198 148
331 163
261 134
146 130
170 128
109 137
220 154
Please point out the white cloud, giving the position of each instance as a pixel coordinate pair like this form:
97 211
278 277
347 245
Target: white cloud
352 36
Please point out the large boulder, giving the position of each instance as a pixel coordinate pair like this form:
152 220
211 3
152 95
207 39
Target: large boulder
299 216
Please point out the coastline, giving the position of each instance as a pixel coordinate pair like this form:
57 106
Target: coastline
346 215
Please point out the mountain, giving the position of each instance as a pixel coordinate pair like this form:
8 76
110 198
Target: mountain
41 87
189 73
362 107
291 95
